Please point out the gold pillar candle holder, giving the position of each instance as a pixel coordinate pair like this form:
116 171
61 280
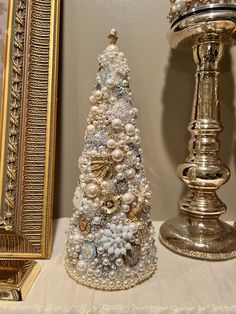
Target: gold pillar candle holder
197 231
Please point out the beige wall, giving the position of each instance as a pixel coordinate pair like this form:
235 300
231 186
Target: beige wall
162 85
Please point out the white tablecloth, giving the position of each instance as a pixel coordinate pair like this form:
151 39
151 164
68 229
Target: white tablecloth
180 285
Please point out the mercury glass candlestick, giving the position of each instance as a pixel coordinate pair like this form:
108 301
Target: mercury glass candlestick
197 231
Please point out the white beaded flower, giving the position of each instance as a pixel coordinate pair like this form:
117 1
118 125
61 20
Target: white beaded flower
116 239
77 199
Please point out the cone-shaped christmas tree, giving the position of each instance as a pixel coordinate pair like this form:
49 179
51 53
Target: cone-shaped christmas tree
110 242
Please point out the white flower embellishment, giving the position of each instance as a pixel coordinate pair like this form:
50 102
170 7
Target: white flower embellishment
77 199
116 239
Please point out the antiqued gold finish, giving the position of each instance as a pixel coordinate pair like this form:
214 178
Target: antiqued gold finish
111 204
197 231
28 126
103 168
84 224
132 256
16 278
112 37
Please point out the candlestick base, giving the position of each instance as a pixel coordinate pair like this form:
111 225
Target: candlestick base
16 278
208 239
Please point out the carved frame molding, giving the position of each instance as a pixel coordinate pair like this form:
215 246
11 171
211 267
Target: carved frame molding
28 129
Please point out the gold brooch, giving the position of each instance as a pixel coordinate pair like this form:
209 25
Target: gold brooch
132 256
84 224
142 234
134 213
111 204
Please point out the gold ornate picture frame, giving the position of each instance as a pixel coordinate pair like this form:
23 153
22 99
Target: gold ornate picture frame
28 129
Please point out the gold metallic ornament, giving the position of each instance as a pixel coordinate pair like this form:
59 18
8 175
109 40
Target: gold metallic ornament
142 234
135 213
84 224
103 167
112 204
132 256
112 37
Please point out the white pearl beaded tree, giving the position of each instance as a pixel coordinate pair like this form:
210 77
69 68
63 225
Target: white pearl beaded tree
110 242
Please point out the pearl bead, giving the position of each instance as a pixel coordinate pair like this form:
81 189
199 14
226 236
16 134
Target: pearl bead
137 139
83 186
81 266
91 129
104 185
98 94
106 261
119 262
125 83
104 89
128 272
91 190
128 139
110 83
94 109
130 173
119 168
127 198
104 154
90 237
133 227
117 155
97 220
89 271
137 177
92 99
112 100
76 237
130 129
125 208
134 111
122 136
121 143
112 274
112 48
116 124
130 154
114 219
98 272
111 143
100 250
120 176
122 215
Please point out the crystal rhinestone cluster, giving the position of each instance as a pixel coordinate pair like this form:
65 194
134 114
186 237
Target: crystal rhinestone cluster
110 240
179 7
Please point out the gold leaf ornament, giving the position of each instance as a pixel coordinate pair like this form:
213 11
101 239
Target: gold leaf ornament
135 213
103 167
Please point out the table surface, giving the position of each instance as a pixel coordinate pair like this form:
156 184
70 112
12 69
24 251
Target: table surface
180 285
